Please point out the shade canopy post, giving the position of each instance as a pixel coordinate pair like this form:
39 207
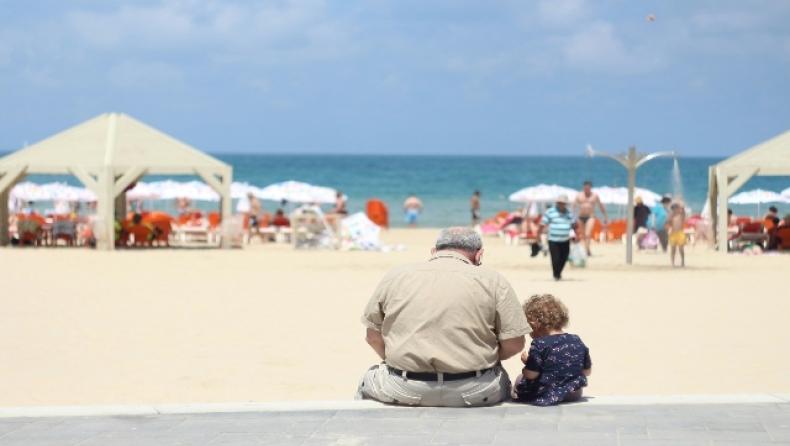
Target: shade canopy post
727 183
220 181
7 181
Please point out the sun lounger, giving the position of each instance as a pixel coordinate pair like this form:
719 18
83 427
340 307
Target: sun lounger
751 233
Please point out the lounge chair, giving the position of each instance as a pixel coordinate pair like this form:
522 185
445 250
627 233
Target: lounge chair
750 233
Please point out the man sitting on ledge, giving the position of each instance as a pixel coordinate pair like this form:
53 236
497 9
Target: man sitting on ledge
441 328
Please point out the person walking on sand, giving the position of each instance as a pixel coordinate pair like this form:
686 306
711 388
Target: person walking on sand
412 206
475 208
677 234
586 201
442 328
559 222
660 213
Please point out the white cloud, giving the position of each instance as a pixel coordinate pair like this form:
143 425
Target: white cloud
137 74
286 31
598 48
563 13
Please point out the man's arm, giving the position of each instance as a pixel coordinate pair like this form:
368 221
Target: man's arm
603 208
376 342
511 347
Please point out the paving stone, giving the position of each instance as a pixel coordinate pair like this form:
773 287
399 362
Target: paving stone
131 438
504 425
237 439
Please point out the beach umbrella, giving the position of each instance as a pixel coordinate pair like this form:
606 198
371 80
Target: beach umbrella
542 193
757 196
27 191
240 190
619 195
297 192
143 191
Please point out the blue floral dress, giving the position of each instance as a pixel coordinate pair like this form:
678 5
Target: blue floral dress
560 360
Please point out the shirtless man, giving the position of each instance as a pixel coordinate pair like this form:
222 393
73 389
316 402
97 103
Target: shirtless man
412 206
586 201
475 208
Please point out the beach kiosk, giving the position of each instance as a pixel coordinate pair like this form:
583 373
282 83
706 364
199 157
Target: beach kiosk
107 154
769 158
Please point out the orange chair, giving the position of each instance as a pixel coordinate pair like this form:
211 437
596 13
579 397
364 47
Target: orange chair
214 219
742 221
616 230
378 213
143 235
163 226
782 237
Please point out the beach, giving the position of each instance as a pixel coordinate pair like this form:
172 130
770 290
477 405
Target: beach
269 323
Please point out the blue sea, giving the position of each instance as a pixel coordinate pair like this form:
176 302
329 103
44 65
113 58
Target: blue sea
445 183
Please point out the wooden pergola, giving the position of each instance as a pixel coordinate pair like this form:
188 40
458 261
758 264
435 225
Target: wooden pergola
107 154
770 158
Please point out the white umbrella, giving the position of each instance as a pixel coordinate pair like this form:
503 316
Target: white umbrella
757 196
240 190
298 192
619 195
27 191
542 193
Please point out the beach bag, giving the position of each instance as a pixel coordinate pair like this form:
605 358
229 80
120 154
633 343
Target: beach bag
578 257
650 240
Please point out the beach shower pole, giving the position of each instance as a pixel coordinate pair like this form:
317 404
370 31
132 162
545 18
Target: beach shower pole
631 162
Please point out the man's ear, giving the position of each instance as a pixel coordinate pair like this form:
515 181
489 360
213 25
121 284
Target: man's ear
478 256
433 250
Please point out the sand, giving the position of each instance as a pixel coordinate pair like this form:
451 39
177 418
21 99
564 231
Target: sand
268 323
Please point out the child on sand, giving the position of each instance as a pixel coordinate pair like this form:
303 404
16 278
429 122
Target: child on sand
557 364
677 235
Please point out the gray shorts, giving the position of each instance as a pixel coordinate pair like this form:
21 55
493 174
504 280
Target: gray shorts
381 384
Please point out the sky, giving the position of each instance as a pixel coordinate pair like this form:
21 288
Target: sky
539 77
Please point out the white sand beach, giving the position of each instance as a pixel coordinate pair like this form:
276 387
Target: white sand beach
267 323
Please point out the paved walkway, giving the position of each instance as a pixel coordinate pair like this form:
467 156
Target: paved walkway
747 423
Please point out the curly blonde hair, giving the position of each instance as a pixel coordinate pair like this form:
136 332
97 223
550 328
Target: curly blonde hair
546 311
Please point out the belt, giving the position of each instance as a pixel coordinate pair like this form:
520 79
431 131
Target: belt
430 376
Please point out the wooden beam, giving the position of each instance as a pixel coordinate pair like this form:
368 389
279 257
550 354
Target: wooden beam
130 176
11 177
85 178
739 179
211 179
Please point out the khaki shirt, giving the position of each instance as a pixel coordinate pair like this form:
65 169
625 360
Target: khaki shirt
445 315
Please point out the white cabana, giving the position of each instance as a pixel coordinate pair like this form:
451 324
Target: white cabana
107 154
770 158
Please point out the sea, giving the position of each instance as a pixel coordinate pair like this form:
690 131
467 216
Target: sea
445 183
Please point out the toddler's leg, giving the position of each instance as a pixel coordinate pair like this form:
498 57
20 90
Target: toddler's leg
515 383
576 395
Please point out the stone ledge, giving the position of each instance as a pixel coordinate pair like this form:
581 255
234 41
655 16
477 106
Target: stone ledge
156 409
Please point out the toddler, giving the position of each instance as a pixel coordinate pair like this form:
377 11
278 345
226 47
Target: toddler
558 364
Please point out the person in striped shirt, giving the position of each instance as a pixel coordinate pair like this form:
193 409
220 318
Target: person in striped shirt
558 223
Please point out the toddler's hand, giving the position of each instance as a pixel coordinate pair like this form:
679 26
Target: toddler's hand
524 357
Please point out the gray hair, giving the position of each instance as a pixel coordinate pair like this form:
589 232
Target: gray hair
459 239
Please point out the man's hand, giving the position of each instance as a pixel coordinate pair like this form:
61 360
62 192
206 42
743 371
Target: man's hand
376 342
510 347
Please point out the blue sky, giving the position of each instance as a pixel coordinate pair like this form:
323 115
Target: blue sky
705 78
